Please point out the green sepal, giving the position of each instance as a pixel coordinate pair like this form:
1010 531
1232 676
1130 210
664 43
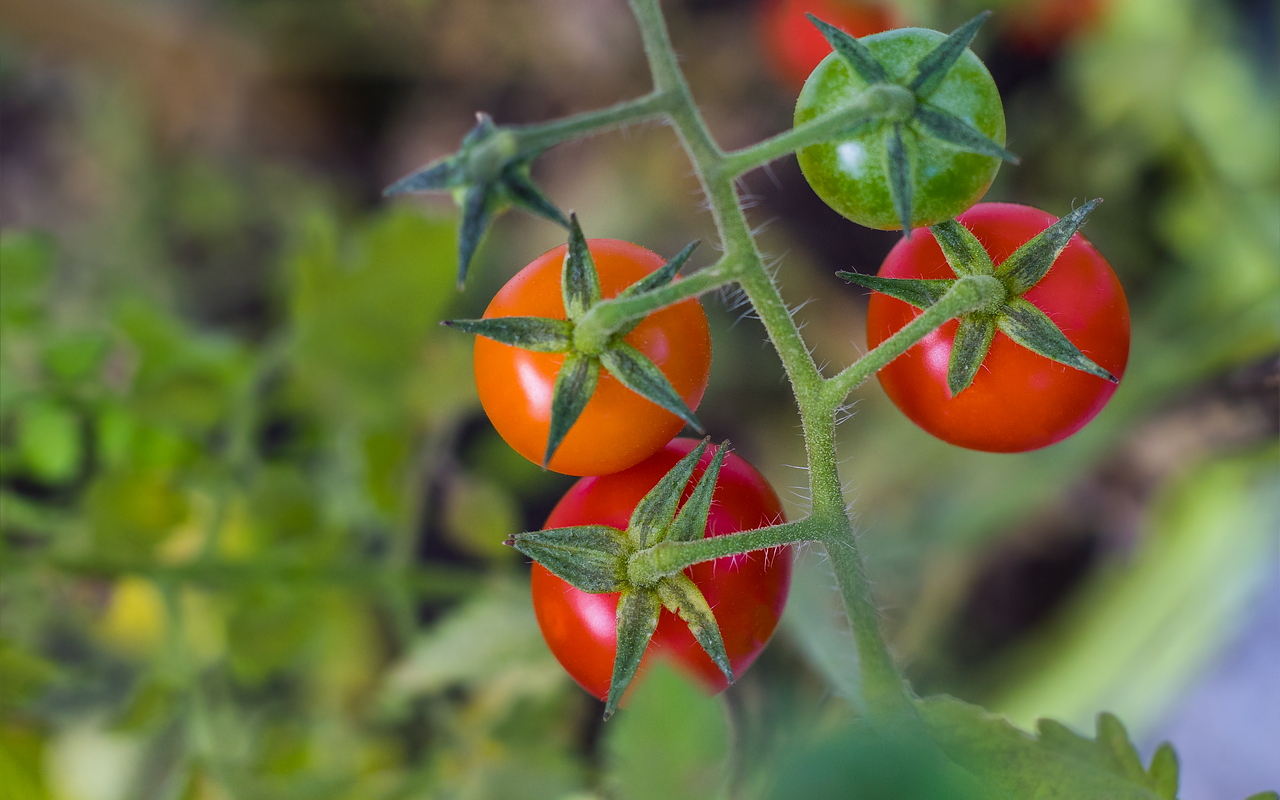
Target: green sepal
592 558
635 371
682 596
972 341
651 518
854 52
1033 260
539 334
478 206
637 619
932 69
519 186
691 523
1030 327
654 280
575 383
898 165
964 253
438 176
918 292
579 281
1164 770
947 127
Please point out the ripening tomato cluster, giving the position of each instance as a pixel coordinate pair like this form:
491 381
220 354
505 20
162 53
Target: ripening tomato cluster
927 160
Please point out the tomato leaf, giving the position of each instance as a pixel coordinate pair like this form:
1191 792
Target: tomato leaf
918 292
951 129
579 281
1058 764
636 372
575 383
1033 260
898 165
653 514
691 523
964 253
1030 327
973 340
592 558
638 611
932 70
1164 769
539 334
681 596
852 51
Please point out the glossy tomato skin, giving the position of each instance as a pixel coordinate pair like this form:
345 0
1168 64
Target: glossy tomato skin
849 173
1019 400
795 46
747 592
618 428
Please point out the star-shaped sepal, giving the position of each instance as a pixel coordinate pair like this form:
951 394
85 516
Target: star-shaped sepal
912 108
595 558
576 382
488 175
1016 317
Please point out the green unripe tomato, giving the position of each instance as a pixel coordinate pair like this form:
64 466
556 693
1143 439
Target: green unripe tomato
850 174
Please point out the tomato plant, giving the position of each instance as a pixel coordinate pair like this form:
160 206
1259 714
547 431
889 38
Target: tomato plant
1019 400
618 428
852 173
795 47
747 591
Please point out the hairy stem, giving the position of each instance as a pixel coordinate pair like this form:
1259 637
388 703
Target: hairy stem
533 139
647 566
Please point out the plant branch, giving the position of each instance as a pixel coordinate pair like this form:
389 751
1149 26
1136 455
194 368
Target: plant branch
647 566
533 139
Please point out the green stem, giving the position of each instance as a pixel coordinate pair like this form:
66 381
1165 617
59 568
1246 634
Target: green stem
533 139
592 332
648 566
969 293
877 102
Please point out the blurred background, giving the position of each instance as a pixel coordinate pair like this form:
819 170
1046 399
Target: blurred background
252 513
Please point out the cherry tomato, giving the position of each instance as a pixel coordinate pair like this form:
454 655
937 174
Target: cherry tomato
1043 26
747 592
1019 400
849 173
618 428
795 46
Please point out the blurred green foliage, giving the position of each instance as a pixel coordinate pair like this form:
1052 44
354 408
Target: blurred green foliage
250 515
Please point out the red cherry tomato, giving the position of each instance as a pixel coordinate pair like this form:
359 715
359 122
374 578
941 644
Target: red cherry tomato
618 428
747 592
1042 26
795 46
1019 400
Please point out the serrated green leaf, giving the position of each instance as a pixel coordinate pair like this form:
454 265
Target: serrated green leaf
1124 757
690 523
579 281
681 596
1056 765
1030 327
590 557
973 339
575 384
949 128
1164 771
638 611
919 293
1033 260
652 516
539 334
898 166
635 371
854 52
932 69
964 253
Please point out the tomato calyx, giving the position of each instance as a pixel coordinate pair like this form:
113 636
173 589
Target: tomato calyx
585 355
910 107
488 175
596 558
1011 314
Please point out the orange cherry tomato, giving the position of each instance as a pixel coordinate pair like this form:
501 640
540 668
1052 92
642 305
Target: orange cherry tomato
618 428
